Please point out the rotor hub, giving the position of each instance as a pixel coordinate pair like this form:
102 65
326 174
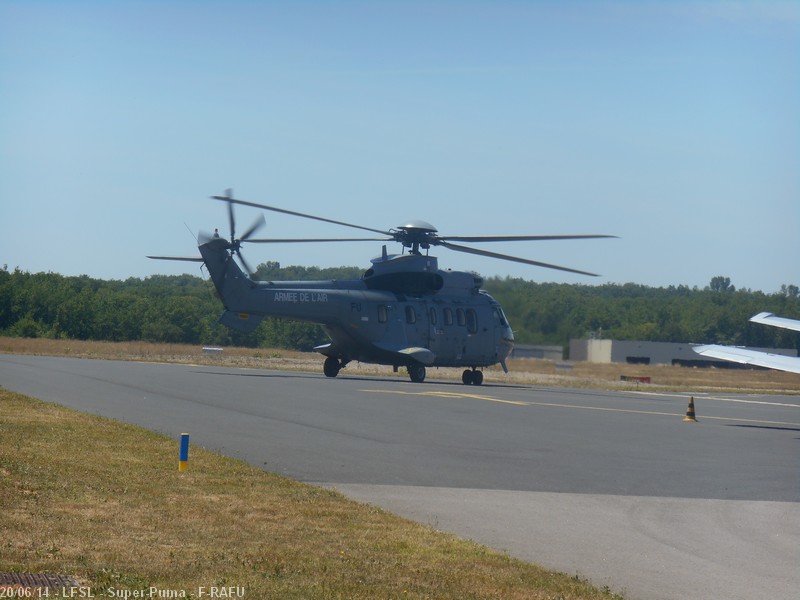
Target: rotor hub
416 234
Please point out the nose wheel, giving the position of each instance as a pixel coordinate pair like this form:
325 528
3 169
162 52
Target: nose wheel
472 377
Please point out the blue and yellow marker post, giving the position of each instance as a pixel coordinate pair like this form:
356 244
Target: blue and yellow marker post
183 460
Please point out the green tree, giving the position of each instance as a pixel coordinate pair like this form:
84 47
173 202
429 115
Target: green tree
721 284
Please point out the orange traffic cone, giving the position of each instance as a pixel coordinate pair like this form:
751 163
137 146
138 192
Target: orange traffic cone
690 416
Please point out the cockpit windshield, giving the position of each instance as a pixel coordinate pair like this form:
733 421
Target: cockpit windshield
500 316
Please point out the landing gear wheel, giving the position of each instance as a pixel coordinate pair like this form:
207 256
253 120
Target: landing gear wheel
331 367
472 377
416 373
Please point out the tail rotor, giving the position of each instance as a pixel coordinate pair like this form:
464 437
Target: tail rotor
236 243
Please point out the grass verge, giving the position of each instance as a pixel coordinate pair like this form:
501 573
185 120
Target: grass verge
103 501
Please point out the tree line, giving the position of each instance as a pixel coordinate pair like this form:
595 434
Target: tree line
184 309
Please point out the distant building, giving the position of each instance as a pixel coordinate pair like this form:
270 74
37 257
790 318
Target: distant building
532 351
651 353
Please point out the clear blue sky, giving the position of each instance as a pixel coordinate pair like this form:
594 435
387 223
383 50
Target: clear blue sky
674 125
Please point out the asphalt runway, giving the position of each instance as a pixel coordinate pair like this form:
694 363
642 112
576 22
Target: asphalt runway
611 486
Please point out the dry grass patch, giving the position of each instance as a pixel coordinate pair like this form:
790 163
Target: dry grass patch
86 496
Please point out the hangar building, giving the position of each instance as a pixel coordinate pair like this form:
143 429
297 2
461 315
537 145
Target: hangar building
650 353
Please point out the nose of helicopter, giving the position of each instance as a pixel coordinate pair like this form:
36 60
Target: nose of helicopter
506 344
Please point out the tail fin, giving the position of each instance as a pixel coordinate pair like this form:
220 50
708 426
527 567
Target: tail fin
231 283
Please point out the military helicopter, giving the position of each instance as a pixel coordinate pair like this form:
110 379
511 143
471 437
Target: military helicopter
404 311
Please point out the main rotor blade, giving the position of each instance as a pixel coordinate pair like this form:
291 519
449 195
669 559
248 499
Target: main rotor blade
519 238
183 258
295 240
514 259
297 214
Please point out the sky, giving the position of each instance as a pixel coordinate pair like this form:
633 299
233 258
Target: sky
672 125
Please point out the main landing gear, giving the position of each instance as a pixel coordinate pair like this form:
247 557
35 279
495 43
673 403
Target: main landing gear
416 373
472 377
332 366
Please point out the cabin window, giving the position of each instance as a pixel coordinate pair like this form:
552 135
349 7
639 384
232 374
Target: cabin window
460 318
383 313
448 316
472 321
499 317
411 315
433 316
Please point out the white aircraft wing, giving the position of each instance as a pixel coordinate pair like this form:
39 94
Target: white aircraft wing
755 357
766 318
751 357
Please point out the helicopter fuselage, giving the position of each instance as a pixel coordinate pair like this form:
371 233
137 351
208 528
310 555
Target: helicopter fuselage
404 311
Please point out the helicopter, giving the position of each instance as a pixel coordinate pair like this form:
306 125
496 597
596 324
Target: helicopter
403 312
